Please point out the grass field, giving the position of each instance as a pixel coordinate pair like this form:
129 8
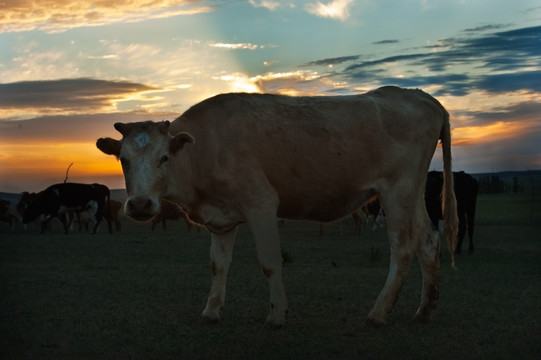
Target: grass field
138 294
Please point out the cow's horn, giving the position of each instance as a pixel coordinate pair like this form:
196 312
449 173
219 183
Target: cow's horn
121 128
164 126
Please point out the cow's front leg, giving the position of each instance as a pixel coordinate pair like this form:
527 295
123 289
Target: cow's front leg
265 233
44 223
221 253
66 218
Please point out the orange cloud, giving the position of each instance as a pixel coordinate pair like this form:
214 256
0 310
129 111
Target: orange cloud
501 130
60 15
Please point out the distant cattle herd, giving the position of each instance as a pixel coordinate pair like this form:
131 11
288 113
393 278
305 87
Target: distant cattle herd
86 205
73 204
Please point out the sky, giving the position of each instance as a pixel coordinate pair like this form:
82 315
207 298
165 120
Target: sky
70 69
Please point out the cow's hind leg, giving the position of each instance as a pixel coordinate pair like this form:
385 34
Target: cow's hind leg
429 259
404 231
398 269
221 254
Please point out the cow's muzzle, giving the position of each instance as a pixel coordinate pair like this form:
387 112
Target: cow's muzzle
141 208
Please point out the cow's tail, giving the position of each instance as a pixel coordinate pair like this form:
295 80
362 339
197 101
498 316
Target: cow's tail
449 206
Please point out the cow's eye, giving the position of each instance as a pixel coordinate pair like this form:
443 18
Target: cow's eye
163 160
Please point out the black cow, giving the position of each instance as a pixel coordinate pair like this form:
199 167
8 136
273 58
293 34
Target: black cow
466 188
60 199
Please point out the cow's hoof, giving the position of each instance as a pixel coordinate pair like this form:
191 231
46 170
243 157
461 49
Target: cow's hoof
376 323
419 318
273 325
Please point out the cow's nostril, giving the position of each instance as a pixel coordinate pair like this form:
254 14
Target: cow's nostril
147 205
140 208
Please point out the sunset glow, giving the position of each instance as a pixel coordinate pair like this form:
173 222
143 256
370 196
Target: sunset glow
69 70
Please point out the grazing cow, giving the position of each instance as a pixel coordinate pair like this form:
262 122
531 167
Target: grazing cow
24 201
60 199
466 188
254 158
84 218
8 213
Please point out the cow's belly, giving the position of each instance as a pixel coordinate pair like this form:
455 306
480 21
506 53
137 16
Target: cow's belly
66 209
316 207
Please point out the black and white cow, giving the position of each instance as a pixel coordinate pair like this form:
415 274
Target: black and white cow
60 199
466 188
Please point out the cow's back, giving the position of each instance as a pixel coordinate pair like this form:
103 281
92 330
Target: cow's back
70 194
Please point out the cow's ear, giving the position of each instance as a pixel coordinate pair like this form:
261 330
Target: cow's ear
109 146
179 140
121 128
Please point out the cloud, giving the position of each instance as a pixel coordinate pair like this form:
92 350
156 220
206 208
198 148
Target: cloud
452 84
332 61
68 96
500 51
60 15
522 111
59 129
386 60
527 80
236 46
299 83
498 61
486 28
336 9
270 4
386 42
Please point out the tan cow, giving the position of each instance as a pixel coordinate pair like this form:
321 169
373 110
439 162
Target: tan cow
254 158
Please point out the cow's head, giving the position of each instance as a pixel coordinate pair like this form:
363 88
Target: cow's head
32 205
145 153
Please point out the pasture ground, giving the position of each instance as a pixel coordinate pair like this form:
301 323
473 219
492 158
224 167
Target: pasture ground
138 294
